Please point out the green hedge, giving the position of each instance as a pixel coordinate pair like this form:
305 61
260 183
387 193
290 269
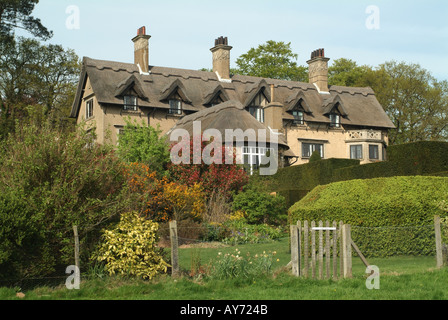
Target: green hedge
389 216
296 181
418 158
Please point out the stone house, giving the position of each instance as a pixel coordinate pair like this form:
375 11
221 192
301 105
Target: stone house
336 121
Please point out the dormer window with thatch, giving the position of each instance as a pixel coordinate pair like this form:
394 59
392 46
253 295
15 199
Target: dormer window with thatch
175 106
130 103
335 120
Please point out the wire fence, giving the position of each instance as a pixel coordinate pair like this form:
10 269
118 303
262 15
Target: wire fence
375 243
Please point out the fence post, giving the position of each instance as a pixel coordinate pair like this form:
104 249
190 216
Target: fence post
327 249
321 250
174 249
313 250
305 248
75 233
347 251
335 251
341 251
439 255
295 250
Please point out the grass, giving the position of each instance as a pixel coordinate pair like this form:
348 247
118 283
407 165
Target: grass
401 278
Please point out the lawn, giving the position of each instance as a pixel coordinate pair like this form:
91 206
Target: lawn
401 278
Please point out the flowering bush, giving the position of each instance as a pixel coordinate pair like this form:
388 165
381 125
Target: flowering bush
223 178
163 199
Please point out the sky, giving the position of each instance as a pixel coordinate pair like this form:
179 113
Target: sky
182 32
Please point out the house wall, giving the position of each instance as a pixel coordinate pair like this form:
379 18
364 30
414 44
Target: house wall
115 119
96 122
336 141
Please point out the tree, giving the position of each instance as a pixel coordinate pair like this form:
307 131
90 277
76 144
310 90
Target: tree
272 60
17 14
144 144
416 102
50 181
42 76
346 72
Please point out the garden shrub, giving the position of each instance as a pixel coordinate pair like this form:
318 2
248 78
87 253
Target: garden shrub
388 215
260 207
241 232
50 181
130 248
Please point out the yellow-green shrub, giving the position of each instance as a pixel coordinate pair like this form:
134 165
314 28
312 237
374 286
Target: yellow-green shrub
129 249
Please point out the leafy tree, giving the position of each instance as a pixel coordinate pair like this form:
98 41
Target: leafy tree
50 181
416 102
37 79
144 144
346 72
271 60
17 14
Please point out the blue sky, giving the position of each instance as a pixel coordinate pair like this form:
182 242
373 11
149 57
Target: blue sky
184 31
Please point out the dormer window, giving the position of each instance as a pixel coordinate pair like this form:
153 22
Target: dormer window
335 120
298 116
175 106
216 101
256 108
130 103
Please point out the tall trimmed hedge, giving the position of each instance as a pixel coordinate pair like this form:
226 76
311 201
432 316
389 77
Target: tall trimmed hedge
389 215
296 181
418 158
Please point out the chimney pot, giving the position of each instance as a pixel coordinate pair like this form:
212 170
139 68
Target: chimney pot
318 69
141 49
221 57
141 31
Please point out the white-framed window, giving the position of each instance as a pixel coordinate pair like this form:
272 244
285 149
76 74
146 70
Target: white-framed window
130 103
175 106
258 113
256 106
89 109
252 157
308 149
335 120
356 151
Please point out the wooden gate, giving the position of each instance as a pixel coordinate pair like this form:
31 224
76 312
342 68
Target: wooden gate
321 251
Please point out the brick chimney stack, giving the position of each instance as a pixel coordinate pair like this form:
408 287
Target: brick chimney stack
221 58
141 49
318 70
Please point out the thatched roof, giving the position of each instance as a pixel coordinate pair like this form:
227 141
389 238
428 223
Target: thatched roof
361 108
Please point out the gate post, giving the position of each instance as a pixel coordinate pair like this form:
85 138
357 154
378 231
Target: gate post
439 254
347 251
295 250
